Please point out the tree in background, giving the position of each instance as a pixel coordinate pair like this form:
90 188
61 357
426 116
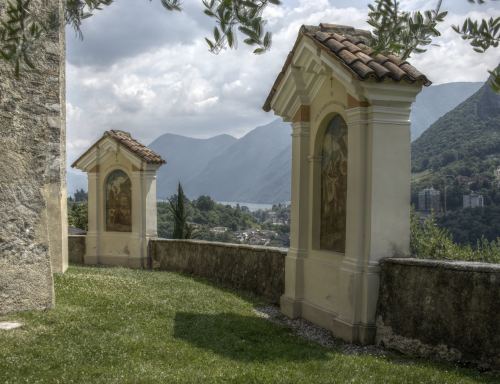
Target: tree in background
428 241
78 210
78 215
81 195
205 203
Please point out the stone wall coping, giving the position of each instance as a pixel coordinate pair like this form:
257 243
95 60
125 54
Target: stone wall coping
257 248
468 266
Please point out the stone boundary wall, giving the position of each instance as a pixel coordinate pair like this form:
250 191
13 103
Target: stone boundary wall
449 311
256 270
76 248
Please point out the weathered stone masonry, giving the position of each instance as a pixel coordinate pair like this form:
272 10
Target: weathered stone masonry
33 172
449 311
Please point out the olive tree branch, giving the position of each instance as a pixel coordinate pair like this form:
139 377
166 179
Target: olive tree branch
402 33
245 13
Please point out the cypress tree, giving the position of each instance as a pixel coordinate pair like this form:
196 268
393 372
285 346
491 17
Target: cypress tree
179 214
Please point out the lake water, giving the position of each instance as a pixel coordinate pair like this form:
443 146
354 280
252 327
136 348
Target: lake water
251 206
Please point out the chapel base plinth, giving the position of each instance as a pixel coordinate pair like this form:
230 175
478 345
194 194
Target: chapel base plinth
291 308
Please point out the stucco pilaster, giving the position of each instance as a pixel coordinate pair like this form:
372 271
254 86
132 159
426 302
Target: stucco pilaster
94 220
299 229
137 238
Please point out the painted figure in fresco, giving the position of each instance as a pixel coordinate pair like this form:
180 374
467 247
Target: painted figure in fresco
118 202
334 187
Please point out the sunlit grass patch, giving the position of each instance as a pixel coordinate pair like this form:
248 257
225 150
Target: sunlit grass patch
116 325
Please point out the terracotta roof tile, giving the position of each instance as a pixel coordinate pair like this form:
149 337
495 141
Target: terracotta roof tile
381 59
363 70
133 145
353 48
335 46
350 47
128 142
348 57
380 70
338 37
364 57
397 73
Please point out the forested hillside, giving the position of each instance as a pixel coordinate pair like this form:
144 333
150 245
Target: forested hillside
435 101
469 225
464 145
460 140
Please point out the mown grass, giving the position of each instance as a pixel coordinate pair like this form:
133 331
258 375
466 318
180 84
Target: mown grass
418 175
115 325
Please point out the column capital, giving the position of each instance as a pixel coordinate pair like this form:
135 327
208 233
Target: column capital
315 159
300 128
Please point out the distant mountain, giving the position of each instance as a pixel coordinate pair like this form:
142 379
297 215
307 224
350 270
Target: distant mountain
76 181
185 157
434 101
257 167
275 183
462 138
236 174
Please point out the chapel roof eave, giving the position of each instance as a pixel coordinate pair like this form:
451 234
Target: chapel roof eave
349 46
124 138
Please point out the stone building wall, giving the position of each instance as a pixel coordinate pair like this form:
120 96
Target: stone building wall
33 172
449 311
252 269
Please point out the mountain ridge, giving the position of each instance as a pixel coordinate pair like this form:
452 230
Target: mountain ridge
256 168
469 131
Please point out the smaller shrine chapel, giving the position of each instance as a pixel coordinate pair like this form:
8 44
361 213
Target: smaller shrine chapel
121 200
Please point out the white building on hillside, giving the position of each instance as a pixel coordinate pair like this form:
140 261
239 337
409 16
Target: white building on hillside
473 200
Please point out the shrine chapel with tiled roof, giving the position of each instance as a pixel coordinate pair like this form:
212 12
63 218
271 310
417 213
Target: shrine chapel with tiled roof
121 176
349 111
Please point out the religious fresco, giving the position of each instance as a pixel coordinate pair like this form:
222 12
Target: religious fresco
118 202
334 187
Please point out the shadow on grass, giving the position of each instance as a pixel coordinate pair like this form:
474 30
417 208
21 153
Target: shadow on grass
249 297
243 338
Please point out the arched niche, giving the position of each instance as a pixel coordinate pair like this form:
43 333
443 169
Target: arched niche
118 202
332 144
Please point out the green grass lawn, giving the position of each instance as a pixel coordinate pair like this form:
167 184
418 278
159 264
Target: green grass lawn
116 325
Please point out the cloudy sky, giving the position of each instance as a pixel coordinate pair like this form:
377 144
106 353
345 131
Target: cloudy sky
143 69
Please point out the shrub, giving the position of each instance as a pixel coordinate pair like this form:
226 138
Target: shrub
428 241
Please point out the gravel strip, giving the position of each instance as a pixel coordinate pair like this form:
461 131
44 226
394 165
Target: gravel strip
316 334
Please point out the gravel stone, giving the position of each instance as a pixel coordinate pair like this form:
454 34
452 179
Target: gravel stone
316 334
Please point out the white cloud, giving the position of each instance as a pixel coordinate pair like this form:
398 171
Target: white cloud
161 78
73 113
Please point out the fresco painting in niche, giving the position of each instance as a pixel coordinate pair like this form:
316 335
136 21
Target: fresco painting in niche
118 202
334 187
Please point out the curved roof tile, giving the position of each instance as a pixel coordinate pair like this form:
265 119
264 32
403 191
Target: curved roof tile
128 142
350 47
